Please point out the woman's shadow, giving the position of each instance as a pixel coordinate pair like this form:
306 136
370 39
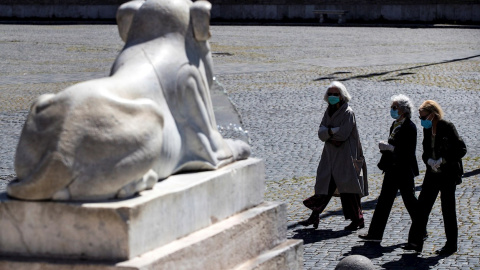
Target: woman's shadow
371 250
312 235
412 261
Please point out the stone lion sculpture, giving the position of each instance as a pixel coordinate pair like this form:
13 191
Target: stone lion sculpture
151 118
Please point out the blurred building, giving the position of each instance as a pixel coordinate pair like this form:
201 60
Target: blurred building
423 11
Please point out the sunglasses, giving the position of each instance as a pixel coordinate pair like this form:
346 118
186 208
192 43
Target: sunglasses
333 94
424 117
394 107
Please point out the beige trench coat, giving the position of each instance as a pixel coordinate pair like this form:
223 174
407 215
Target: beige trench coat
338 161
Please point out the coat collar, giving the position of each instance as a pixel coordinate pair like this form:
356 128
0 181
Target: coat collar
340 110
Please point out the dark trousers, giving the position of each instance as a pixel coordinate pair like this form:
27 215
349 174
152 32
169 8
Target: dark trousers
351 204
433 184
392 182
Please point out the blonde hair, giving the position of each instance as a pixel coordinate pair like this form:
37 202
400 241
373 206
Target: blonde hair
432 107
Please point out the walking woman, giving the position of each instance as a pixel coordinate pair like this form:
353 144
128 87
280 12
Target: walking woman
341 163
399 164
443 150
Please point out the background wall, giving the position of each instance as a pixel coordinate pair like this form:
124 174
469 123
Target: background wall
360 10
60 9
262 10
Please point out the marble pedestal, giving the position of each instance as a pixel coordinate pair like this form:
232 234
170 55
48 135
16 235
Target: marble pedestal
205 220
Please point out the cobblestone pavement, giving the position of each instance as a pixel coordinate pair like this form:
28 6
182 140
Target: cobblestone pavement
277 76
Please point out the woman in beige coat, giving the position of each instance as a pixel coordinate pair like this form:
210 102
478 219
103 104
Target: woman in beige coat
341 163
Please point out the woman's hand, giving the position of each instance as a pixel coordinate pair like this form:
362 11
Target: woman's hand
384 146
435 164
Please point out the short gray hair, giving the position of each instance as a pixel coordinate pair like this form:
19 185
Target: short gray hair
404 103
343 91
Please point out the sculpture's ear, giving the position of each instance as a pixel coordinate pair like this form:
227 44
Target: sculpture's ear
125 14
200 16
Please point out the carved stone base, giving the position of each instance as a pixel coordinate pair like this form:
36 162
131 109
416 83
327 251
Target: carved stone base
206 220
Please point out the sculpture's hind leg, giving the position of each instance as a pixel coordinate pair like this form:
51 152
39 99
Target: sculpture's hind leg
86 143
194 115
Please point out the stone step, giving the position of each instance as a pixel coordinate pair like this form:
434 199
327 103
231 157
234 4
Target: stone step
223 245
121 230
286 256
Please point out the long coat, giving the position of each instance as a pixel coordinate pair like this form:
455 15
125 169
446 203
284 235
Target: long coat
338 154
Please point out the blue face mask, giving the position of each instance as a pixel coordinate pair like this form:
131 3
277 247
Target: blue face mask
426 123
394 114
333 100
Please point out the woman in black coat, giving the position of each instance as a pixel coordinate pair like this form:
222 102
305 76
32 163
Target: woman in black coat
443 150
399 164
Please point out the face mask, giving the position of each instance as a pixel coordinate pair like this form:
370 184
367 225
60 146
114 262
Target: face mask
426 123
394 114
333 100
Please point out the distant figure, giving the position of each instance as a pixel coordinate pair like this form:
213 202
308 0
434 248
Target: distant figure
399 164
341 163
443 150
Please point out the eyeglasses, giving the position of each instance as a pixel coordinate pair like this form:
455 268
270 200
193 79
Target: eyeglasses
394 107
333 94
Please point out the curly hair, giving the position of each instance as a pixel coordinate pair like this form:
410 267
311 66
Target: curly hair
404 103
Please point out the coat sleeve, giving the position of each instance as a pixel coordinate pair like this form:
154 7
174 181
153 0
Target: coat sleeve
455 147
346 127
323 130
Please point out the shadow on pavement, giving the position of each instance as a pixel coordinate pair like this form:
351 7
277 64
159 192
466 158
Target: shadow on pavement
312 236
366 205
412 261
376 74
471 173
371 250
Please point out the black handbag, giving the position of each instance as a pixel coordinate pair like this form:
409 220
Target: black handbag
386 162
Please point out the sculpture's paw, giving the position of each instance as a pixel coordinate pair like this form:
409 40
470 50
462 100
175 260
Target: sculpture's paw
240 149
61 195
144 183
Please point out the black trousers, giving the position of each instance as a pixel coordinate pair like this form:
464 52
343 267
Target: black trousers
351 203
433 184
392 182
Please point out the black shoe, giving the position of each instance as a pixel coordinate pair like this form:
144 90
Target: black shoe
314 219
367 237
414 247
308 222
446 250
355 225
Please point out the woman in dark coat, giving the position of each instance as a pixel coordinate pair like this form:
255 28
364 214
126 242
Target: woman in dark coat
443 150
341 163
399 164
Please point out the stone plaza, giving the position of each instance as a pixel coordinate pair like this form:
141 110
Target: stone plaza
276 76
